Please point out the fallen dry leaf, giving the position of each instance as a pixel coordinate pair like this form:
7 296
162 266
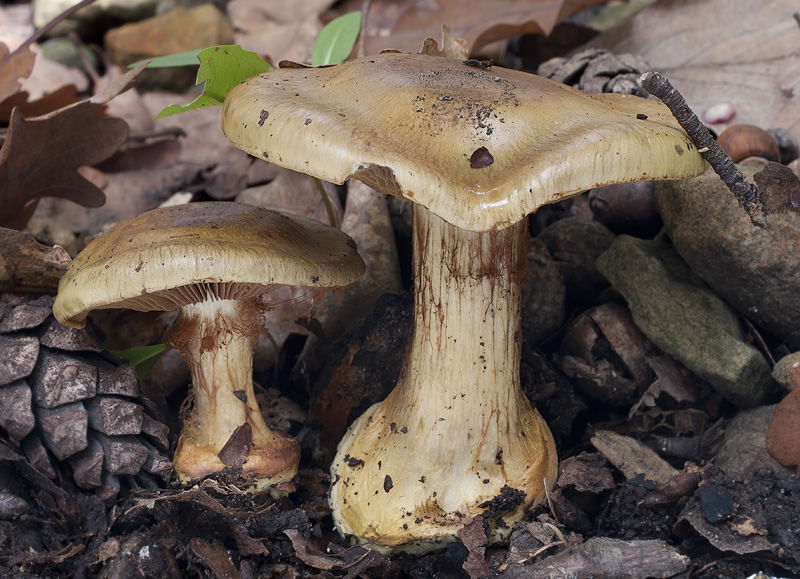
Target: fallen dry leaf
632 457
62 97
214 556
13 68
279 29
405 25
473 536
783 436
40 158
722 51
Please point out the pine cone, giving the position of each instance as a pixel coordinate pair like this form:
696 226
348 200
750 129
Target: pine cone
63 397
596 70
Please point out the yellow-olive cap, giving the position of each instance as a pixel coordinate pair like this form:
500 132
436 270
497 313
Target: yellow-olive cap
173 256
480 147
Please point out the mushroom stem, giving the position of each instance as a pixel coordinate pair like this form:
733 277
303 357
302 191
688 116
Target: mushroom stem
216 338
457 429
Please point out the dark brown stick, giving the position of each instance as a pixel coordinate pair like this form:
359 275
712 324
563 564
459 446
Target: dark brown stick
745 192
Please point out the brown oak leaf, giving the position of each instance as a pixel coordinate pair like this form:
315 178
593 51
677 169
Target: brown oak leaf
40 158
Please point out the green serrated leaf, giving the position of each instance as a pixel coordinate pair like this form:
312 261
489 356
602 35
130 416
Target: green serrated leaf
142 358
335 42
188 58
221 68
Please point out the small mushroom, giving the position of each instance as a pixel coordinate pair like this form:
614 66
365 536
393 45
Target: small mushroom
476 151
211 260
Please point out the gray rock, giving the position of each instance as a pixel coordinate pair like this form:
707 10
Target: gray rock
575 243
744 447
781 370
682 317
543 295
757 271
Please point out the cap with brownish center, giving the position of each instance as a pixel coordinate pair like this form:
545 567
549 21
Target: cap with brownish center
476 149
211 260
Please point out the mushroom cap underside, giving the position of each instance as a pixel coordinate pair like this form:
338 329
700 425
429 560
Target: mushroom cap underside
481 148
173 256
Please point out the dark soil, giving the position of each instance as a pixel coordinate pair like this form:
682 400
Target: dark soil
724 528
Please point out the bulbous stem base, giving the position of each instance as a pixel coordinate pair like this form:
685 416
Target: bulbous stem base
457 432
225 427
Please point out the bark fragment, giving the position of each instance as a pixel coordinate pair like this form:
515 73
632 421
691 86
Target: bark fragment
608 558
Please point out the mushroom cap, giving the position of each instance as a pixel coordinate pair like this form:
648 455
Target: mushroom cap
481 148
173 256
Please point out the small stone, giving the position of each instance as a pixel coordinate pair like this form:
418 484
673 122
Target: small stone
575 243
744 446
716 502
781 372
176 31
681 316
757 271
63 429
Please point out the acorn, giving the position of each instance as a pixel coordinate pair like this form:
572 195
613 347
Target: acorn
742 141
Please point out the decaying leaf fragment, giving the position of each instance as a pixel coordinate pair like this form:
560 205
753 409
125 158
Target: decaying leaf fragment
632 457
41 156
473 535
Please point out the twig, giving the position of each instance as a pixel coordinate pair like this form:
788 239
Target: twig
362 36
326 201
746 193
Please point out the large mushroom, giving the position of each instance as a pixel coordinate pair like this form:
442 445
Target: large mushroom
476 149
211 260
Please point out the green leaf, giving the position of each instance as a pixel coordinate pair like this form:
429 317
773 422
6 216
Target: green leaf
335 42
142 358
188 58
221 68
